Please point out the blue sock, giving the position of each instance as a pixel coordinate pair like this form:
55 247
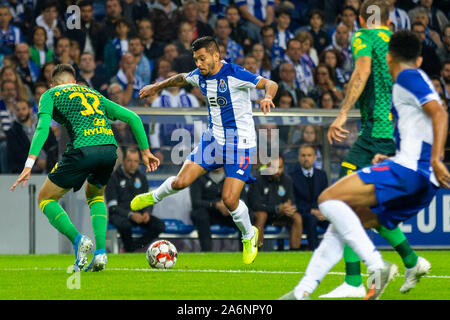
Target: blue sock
99 251
77 240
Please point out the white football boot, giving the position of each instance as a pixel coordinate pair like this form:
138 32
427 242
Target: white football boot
413 275
346 291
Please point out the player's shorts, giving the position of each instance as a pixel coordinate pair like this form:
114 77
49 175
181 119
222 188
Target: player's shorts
211 155
94 163
362 152
401 192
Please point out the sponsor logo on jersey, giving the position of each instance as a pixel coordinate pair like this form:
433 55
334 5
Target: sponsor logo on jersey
240 171
99 130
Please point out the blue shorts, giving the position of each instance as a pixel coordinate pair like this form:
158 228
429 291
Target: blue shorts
211 155
401 192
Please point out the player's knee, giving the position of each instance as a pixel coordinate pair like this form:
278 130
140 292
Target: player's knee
179 183
230 201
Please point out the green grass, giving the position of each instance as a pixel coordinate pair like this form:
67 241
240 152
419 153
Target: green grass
196 276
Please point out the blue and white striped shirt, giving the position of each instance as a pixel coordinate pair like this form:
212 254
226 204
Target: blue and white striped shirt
257 8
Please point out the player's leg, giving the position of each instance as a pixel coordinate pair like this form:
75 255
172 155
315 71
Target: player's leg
48 198
295 237
231 193
260 222
189 172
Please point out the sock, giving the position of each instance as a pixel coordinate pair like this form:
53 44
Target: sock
99 218
350 229
323 259
58 218
164 190
352 267
398 241
242 220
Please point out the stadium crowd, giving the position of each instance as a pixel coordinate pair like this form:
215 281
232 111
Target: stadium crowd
117 47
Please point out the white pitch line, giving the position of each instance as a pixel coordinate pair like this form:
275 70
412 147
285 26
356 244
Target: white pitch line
204 271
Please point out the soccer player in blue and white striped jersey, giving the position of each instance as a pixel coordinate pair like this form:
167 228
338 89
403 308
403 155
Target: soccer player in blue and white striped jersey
229 141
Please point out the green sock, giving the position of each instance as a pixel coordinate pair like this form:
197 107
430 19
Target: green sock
352 267
58 218
99 218
398 241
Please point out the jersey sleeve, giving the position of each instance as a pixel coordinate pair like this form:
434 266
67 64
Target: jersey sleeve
46 104
244 78
361 45
193 77
115 111
418 83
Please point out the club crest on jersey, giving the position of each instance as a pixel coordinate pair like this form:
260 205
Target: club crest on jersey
222 86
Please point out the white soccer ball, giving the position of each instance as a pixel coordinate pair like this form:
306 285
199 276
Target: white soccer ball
162 254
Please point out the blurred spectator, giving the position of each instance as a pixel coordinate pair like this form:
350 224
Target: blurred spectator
115 93
207 206
8 100
282 32
27 69
8 61
205 14
163 66
233 49
125 183
113 13
333 59
274 52
323 78
40 54
38 91
129 79
437 19
63 53
349 18
327 100
256 95
437 85
152 49
90 36
288 83
189 13
46 73
144 67
134 10
184 38
10 74
92 74
48 19
303 72
272 202
309 54
162 14
307 103
310 135
341 42
237 25
284 100
116 47
398 17
321 39
308 184
445 78
444 51
19 139
257 15
431 63
9 35
433 38
170 52
263 63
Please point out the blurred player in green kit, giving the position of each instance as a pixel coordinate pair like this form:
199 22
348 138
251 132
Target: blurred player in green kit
90 155
371 86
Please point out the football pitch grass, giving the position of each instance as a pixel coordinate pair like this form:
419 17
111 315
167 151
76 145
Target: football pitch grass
196 276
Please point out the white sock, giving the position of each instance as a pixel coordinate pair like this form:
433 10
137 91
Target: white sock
242 220
164 190
351 231
328 253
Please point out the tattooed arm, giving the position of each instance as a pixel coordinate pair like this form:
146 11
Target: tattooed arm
178 80
356 86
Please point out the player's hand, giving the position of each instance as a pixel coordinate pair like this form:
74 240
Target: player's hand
318 214
441 173
148 90
23 177
150 161
145 217
336 131
266 104
379 158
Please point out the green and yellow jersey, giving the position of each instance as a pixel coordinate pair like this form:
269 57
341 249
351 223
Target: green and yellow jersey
84 113
375 100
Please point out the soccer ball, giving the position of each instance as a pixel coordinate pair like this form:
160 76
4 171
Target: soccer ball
162 254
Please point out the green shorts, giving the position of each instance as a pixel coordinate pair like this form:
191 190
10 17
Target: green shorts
94 163
362 152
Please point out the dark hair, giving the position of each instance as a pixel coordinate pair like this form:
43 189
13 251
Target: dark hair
130 150
208 42
39 84
307 145
349 8
316 12
23 101
145 19
61 69
49 4
405 46
282 10
265 28
85 3
36 28
284 93
292 40
417 23
382 4
336 52
232 6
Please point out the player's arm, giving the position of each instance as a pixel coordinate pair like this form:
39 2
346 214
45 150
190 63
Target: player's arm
39 138
115 111
178 80
439 118
270 88
356 86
